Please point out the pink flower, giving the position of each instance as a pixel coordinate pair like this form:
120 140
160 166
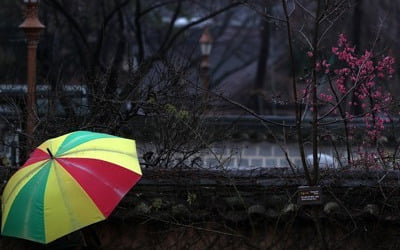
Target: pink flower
318 66
342 40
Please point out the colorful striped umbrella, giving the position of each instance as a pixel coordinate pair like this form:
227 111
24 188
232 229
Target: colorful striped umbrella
68 182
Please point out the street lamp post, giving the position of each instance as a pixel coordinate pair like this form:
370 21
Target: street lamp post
32 28
206 41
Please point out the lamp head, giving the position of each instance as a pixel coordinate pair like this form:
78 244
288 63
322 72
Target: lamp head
31 1
31 22
206 41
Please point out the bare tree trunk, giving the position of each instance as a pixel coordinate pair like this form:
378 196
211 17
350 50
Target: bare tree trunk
357 20
299 129
357 33
262 66
315 140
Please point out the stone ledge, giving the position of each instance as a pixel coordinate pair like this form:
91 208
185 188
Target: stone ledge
265 194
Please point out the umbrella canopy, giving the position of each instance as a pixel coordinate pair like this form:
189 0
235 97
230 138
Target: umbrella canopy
68 182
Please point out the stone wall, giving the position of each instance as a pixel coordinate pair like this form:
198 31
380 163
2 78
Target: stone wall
249 154
205 210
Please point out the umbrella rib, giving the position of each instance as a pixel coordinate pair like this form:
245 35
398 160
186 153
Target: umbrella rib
86 150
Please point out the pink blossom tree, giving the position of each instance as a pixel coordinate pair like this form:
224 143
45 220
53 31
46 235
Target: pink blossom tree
362 76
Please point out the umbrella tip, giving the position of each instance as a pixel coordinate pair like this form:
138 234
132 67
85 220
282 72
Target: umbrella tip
51 155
